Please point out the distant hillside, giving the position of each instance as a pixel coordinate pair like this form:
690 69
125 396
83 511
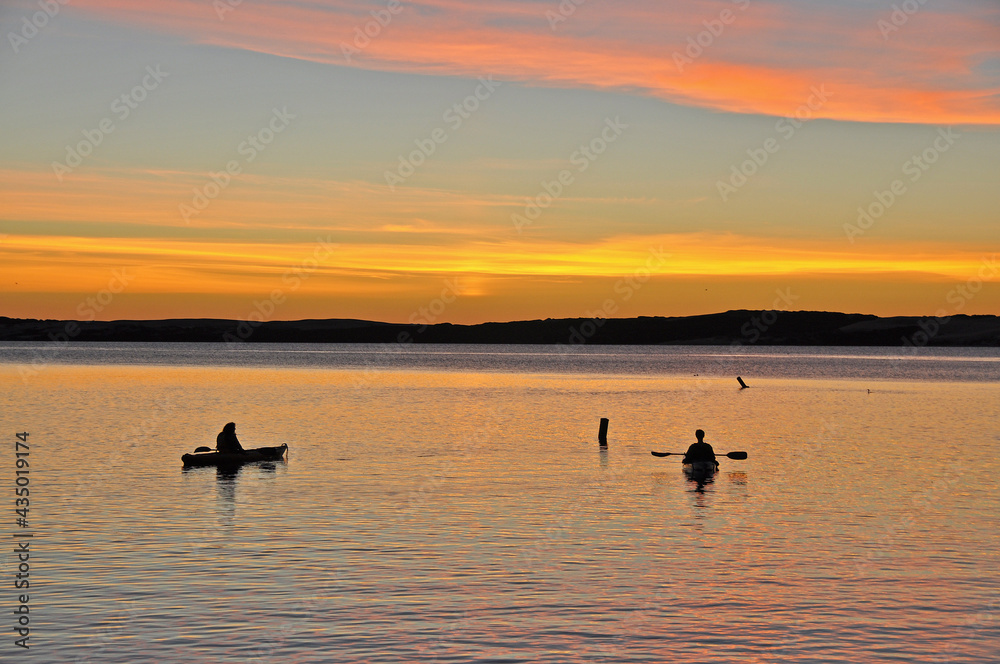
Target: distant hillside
792 328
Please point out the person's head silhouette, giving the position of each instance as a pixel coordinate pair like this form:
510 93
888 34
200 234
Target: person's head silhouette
700 435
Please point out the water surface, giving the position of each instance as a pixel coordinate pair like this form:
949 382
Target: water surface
450 503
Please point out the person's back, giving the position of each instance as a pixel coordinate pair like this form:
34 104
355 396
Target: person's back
700 451
227 442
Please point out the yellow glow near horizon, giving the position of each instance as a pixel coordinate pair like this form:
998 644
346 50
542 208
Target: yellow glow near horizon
41 263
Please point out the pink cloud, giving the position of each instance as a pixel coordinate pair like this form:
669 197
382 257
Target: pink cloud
763 58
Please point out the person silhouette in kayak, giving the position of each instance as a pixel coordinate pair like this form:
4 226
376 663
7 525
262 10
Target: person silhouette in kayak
700 451
227 442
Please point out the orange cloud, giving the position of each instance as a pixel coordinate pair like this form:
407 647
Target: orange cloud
257 204
765 59
262 226
40 263
65 241
58 276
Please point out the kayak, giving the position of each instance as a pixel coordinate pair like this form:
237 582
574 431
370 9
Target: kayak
228 459
700 468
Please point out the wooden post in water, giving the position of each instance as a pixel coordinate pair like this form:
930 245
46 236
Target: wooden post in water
743 385
602 435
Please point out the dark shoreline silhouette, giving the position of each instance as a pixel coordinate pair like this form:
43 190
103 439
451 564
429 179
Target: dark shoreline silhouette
767 328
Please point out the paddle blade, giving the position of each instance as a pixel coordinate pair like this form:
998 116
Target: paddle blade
663 454
737 455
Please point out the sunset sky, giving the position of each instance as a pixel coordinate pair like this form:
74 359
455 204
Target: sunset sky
497 160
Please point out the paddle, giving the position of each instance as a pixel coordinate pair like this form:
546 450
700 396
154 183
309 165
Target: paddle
730 455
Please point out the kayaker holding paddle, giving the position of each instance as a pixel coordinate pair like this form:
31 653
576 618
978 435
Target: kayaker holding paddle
700 451
227 442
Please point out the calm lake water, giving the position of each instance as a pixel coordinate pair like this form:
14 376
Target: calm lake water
451 504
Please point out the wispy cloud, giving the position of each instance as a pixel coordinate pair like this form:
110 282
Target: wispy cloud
199 266
939 67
